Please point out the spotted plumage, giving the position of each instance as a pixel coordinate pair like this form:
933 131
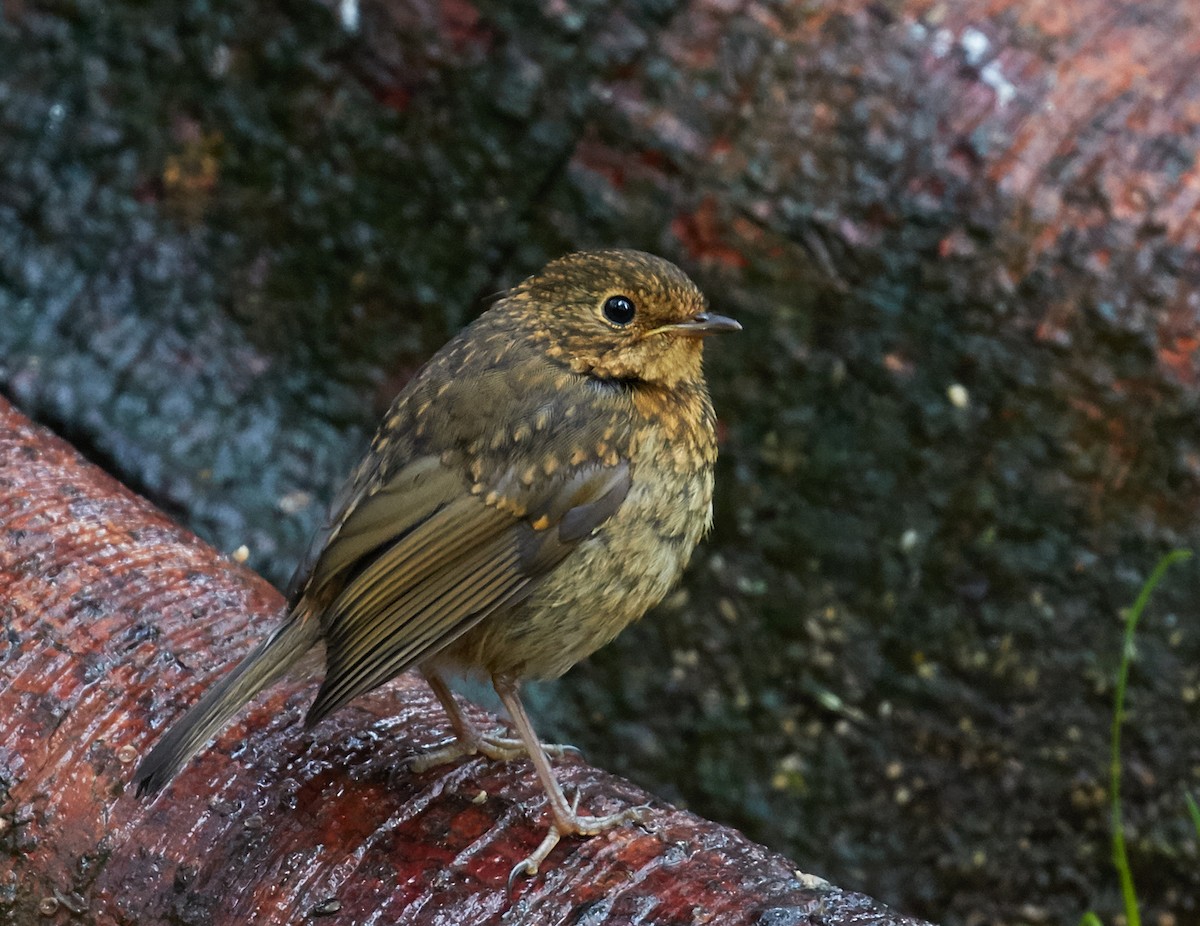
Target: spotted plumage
539 485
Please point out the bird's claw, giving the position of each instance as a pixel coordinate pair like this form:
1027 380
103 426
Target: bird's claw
442 755
575 825
496 747
529 865
639 813
504 748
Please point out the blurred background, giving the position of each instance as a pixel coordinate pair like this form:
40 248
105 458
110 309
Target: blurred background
959 430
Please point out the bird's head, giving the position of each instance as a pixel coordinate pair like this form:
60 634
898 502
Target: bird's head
620 315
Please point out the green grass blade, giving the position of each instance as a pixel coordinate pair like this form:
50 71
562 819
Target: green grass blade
1194 811
1120 856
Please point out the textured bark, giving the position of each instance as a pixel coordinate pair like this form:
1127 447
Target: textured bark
961 425
115 619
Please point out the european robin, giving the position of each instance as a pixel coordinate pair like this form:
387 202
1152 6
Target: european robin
537 486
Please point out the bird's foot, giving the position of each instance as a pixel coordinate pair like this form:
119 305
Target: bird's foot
503 748
496 747
573 824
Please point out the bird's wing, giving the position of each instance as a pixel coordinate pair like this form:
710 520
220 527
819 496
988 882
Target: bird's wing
316 567
421 560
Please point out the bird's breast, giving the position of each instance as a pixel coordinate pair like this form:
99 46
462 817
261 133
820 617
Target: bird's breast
613 577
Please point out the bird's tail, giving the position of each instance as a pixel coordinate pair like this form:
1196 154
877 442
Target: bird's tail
267 663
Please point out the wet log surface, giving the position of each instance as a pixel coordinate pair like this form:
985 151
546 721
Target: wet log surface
115 619
961 426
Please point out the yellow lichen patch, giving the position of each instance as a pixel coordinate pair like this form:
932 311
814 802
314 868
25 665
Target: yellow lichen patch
190 176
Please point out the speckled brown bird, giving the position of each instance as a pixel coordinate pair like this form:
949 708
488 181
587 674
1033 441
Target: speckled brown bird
537 486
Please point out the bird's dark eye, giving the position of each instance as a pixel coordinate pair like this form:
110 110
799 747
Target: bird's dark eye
619 310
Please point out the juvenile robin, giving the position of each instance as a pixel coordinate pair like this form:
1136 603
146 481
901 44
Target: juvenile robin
537 486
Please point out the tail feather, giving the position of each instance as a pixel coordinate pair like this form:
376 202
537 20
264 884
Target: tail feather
266 664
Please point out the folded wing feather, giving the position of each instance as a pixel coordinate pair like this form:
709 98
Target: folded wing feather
421 561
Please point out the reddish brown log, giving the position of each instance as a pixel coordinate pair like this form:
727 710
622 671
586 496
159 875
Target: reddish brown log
114 621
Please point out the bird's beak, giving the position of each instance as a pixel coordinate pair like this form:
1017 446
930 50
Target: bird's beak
704 323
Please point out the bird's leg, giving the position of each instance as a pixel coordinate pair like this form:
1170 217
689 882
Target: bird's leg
469 740
564 820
